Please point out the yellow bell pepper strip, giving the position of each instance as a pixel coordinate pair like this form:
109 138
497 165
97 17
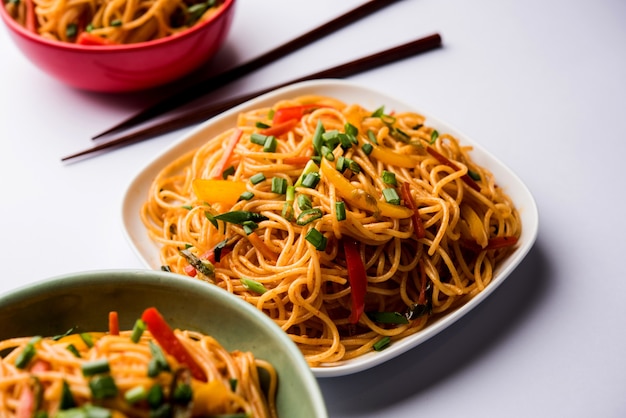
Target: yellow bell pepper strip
170 343
418 225
222 164
218 191
388 156
475 225
360 198
445 161
357 277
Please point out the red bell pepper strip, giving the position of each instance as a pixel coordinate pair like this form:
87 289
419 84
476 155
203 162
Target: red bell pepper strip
86 38
26 404
492 244
418 225
356 276
228 152
168 341
423 285
279 128
31 23
190 270
445 161
293 112
210 254
114 324
299 160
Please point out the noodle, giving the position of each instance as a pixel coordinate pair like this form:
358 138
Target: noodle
56 378
109 21
430 225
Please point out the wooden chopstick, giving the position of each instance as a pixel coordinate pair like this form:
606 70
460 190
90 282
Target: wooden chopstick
203 113
221 79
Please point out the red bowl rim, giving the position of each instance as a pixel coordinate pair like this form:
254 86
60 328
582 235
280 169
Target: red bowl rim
16 27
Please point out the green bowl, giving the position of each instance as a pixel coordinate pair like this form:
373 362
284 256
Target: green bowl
53 306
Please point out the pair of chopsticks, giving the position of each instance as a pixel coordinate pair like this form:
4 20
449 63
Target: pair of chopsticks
204 87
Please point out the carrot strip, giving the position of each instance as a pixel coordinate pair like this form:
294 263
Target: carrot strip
114 324
418 225
297 160
443 160
30 16
232 143
262 247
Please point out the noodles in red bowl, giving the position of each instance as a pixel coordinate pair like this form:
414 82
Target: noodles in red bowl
126 50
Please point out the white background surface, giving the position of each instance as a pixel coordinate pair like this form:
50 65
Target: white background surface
541 84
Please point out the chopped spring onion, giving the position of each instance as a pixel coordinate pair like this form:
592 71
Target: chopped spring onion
391 196
474 175
341 164
318 138
182 394
135 394
309 168
71 30
382 344
287 211
258 139
91 368
253 285
279 185
340 211
87 339
353 166
166 268
433 136
27 353
311 180
351 131
249 227
270 144
188 207
308 216
388 317
203 266
367 148
228 172
257 178
72 349
138 330
327 153
316 238
389 178
378 112
158 362
240 216
304 202
103 386
247 195
261 125
290 194
155 396
85 411
372 136
67 399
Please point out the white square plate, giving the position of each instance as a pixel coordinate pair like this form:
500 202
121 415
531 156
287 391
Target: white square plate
348 92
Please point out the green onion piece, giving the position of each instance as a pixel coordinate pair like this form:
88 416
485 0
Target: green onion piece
391 196
261 125
257 178
89 27
340 211
253 285
351 130
158 362
247 195
182 394
388 317
166 268
287 211
311 180
379 112
316 238
270 114
155 396
389 178
258 139
116 23
290 194
71 30
304 202
308 216
367 148
233 384
309 168
136 394
270 144
203 266
27 354
85 411
331 136
382 344
474 175
67 399
417 127
102 386
72 349
249 227
138 330
433 136
400 135
388 119
94 367
341 164
240 216
279 185
211 218
188 207
327 153
345 141
65 334
318 138
353 166
228 172
87 339
372 136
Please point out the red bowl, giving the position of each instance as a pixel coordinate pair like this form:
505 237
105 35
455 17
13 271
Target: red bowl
130 67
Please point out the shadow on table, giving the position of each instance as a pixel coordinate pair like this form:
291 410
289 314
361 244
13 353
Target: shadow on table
448 352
